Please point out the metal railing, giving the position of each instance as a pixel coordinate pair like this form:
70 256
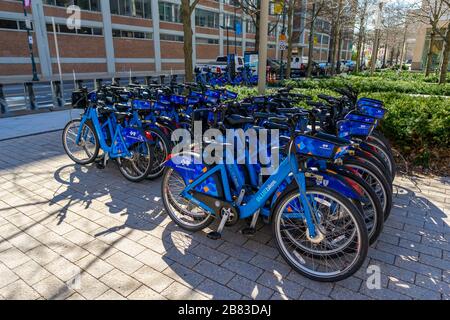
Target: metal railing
28 97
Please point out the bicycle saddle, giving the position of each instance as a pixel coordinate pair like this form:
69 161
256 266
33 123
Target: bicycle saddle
236 119
278 119
273 125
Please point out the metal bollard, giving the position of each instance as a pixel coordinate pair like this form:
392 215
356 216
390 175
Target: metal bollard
58 93
3 104
98 84
30 95
79 84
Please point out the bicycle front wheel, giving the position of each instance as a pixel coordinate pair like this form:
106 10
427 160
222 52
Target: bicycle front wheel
84 151
340 246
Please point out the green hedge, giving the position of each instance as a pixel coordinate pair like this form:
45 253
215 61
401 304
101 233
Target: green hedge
374 84
414 124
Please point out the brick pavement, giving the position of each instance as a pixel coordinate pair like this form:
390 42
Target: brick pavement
71 232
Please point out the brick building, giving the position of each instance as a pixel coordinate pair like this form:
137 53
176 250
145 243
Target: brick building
117 36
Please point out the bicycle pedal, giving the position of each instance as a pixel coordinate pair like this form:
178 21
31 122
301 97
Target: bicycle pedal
214 235
100 165
248 231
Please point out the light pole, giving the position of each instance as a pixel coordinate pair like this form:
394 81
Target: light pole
30 39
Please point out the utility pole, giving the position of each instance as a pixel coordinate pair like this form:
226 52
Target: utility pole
27 3
262 51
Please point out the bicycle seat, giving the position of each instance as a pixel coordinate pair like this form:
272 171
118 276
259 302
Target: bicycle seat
236 119
290 110
121 115
278 119
264 115
121 107
328 98
273 125
315 104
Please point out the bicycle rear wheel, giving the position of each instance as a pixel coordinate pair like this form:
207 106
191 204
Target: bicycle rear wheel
138 166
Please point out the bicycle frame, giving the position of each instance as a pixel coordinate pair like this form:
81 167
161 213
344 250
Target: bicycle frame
256 201
121 137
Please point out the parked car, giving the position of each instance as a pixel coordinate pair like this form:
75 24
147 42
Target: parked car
351 65
220 65
325 68
408 63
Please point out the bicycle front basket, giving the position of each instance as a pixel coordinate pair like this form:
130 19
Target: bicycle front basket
80 98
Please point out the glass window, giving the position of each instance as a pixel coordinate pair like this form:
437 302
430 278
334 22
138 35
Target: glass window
169 12
206 41
64 29
8 24
171 37
138 8
83 4
116 33
22 25
84 30
97 31
139 35
147 9
204 18
114 6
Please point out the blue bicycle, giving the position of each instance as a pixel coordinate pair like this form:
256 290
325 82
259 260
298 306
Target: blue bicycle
101 127
318 231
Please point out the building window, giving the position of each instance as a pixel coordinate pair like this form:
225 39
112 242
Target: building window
233 3
171 37
200 40
116 33
204 18
250 26
325 39
249 44
89 5
169 12
9 24
229 20
62 28
232 43
131 8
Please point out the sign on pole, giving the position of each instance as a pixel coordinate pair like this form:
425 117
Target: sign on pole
27 3
282 42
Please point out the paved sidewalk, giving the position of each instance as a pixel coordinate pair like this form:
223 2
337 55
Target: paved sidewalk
35 123
71 232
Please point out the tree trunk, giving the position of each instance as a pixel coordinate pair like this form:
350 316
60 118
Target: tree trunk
445 54
187 44
359 46
290 40
257 32
311 42
430 53
338 52
385 54
358 50
333 50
